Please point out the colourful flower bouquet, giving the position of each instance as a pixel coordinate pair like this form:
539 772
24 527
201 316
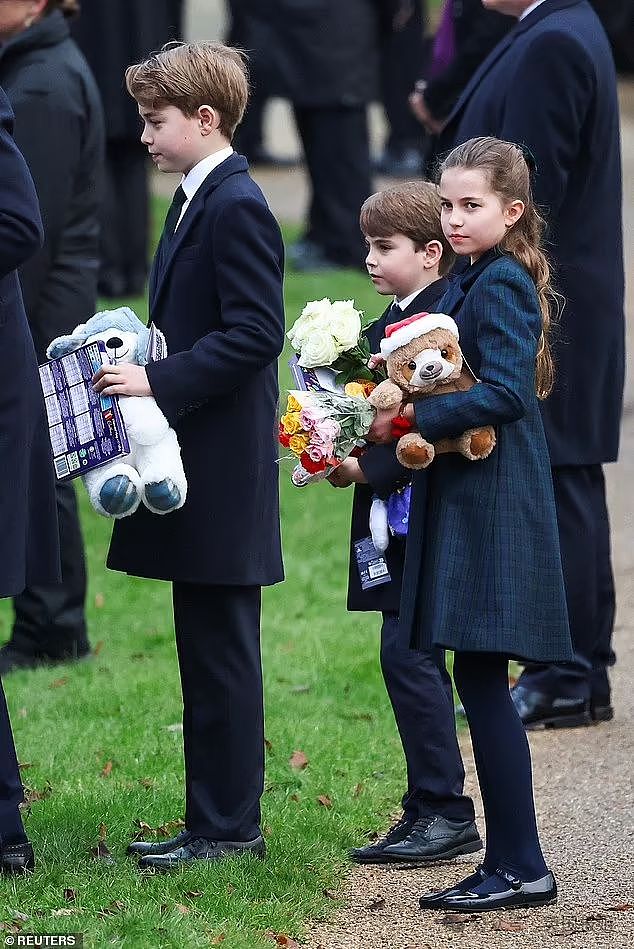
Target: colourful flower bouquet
321 429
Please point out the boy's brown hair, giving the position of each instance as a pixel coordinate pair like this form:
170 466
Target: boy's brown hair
411 208
188 75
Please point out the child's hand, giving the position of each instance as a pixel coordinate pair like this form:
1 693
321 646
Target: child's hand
381 431
124 379
376 360
347 473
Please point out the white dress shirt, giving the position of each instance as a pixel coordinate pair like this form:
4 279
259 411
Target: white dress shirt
530 9
194 178
405 302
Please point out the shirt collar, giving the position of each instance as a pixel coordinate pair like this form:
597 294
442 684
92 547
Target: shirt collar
405 302
194 178
530 9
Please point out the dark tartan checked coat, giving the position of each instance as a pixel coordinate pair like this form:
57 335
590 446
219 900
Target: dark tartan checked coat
482 566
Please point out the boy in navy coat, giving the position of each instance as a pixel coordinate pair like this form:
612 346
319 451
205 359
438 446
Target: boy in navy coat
216 293
408 256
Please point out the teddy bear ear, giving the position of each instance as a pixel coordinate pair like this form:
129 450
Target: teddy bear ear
142 346
62 345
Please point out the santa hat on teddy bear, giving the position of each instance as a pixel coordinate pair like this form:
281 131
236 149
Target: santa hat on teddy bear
401 333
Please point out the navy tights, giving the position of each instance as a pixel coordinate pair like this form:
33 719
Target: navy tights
503 763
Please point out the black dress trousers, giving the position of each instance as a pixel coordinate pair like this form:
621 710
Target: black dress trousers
11 790
218 642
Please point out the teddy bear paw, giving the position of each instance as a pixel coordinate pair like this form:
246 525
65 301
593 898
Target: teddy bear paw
414 452
118 495
162 496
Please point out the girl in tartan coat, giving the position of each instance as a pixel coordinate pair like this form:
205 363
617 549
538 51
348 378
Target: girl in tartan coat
483 570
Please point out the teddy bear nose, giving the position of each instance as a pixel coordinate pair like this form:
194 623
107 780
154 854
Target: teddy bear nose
114 342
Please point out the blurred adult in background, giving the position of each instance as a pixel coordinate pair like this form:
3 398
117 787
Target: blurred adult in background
467 32
403 49
29 553
59 129
112 34
550 85
324 57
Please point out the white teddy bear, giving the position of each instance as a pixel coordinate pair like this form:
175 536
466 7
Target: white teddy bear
152 472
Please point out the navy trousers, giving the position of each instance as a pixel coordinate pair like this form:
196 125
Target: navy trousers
218 643
11 790
421 694
584 535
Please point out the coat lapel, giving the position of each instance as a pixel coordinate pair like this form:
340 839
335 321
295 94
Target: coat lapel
167 251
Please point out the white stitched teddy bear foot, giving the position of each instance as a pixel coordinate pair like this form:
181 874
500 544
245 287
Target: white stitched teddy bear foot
161 497
119 496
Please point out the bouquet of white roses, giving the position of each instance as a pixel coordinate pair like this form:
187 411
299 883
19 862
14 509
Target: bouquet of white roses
330 334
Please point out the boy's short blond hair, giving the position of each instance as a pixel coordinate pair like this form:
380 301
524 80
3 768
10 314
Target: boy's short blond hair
188 75
411 208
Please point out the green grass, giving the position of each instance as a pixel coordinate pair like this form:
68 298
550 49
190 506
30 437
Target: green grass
324 696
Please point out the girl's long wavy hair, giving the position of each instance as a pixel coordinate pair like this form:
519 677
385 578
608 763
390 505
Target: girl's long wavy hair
507 169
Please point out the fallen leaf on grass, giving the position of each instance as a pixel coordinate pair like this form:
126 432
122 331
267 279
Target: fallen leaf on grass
283 940
330 894
103 831
358 790
324 800
100 600
117 906
58 683
102 852
176 727
620 908
268 745
194 894
23 712
504 926
167 829
181 908
23 765
106 770
67 911
146 783
295 798
298 760
98 648
70 895
376 905
31 794
218 939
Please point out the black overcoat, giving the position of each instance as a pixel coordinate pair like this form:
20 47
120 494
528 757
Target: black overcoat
29 546
50 87
217 296
314 52
550 85
384 475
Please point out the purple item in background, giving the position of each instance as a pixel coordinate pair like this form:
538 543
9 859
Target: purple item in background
444 47
398 511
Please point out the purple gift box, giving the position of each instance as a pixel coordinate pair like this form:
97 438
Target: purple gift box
86 429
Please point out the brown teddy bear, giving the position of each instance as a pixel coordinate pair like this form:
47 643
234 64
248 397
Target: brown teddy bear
424 358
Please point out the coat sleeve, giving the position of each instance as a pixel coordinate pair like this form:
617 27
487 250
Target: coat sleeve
558 80
383 472
20 222
506 311
248 262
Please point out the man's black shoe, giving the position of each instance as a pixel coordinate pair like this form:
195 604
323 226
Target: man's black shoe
373 853
17 858
516 895
201 848
544 711
12 658
142 848
429 900
434 838
601 709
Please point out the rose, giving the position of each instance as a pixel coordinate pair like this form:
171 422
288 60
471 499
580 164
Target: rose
327 428
292 405
323 445
355 389
298 443
309 417
291 424
314 315
318 349
311 466
344 324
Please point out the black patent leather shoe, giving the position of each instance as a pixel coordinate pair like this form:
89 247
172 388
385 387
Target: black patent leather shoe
141 848
434 838
17 858
544 711
518 894
201 848
429 900
373 853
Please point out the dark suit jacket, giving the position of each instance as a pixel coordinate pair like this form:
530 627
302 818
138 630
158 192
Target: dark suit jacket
384 474
29 546
50 85
483 567
550 85
217 296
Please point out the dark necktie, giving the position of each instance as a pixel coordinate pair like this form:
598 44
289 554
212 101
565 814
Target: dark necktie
174 212
396 314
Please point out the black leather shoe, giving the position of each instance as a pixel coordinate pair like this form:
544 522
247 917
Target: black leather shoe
373 853
17 858
12 658
434 838
517 895
142 848
544 711
601 709
429 900
201 848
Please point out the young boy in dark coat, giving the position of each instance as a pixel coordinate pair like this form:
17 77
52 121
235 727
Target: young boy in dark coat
216 293
408 256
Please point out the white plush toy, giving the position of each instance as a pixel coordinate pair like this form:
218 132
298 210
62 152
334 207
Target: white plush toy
153 471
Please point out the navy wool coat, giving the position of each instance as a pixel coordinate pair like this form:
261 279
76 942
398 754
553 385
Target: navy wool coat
550 85
384 474
29 545
483 568
216 293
